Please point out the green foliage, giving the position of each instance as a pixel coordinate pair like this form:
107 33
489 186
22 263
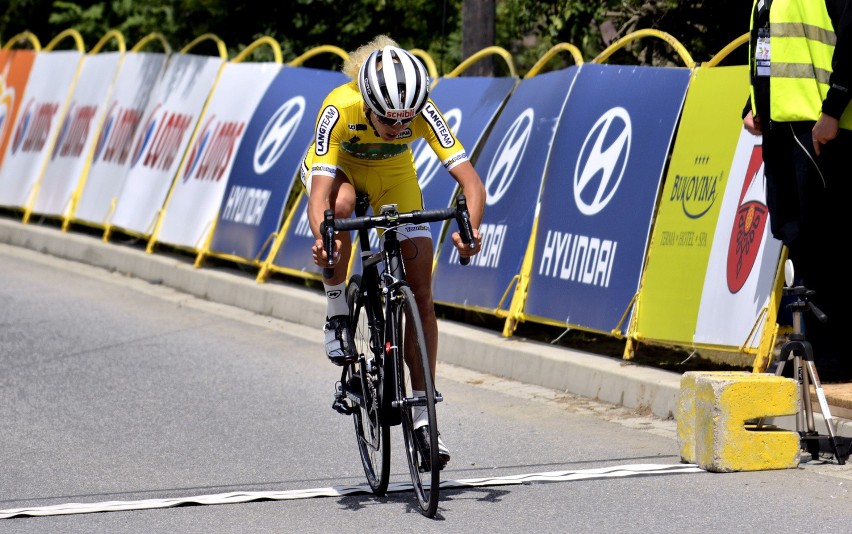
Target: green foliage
527 29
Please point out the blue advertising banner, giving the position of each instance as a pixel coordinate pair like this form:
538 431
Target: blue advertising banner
512 165
600 193
469 105
267 162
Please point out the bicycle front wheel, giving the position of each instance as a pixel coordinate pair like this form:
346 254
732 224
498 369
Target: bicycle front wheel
364 385
423 464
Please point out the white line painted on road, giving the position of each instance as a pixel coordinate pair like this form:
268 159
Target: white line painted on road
338 491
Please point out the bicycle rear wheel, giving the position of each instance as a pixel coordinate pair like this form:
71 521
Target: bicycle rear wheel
364 382
424 465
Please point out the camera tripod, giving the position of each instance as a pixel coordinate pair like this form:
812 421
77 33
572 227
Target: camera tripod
801 353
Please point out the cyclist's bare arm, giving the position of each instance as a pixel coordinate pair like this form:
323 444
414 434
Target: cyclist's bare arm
474 191
319 201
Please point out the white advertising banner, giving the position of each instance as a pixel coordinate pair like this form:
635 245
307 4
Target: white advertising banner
197 192
159 147
45 98
77 135
139 75
743 259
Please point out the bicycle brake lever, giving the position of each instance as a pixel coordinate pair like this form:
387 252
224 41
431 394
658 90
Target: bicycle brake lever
465 230
327 231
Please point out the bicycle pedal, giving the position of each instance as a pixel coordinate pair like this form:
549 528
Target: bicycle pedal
340 404
342 407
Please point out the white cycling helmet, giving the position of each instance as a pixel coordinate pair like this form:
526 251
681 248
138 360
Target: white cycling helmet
397 93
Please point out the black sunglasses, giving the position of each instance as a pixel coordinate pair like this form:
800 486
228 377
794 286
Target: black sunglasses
393 122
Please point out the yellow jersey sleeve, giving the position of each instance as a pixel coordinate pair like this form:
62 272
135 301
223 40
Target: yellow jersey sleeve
431 126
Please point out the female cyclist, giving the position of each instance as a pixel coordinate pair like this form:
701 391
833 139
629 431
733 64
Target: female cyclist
362 143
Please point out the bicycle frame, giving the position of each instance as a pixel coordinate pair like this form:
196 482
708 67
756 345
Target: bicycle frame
380 329
386 368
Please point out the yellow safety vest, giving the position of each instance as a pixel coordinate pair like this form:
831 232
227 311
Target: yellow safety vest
802 43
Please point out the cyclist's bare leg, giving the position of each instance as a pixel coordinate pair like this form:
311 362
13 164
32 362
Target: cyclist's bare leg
342 198
418 270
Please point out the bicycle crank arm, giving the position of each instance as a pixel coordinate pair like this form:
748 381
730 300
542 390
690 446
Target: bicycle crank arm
357 398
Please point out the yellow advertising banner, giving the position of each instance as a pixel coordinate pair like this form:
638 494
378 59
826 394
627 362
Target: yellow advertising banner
685 224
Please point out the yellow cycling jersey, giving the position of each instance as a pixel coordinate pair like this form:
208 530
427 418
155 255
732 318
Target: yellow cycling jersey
342 130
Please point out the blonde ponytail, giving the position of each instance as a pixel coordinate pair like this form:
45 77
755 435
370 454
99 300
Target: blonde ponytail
356 58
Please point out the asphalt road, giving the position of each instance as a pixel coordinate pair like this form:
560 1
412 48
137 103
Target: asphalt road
130 407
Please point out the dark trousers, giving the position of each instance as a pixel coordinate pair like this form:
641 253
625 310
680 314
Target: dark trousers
809 207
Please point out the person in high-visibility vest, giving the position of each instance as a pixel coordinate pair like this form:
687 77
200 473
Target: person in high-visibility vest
801 78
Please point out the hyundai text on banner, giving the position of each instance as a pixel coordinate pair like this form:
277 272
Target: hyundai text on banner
600 193
197 193
43 102
699 171
512 164
137 80
170 120
268 159
77 135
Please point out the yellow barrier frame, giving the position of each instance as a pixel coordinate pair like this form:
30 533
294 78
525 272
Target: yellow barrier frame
69 33
265 40
121 45
560 47
768 316
292 201
75 36
223 54
428 61
114 35
150 38
204 251
620 43
477 56
204 248
722 54
223 50
515 313
23 37
322 49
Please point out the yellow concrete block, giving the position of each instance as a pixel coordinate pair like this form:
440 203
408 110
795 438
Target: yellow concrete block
723 404
685 417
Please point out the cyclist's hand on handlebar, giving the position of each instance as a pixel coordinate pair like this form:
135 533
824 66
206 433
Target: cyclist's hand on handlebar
319 255
466 250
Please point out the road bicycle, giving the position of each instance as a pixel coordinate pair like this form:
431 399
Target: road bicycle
376 389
